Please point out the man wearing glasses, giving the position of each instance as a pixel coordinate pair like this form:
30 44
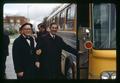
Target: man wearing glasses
25 62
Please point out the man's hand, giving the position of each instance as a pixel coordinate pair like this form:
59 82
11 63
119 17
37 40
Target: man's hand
37 64
20 74
38 52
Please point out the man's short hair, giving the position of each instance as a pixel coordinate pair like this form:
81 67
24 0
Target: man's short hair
41 25
24 25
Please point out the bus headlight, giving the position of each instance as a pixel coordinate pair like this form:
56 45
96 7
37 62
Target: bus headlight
108 75
113 75
105 75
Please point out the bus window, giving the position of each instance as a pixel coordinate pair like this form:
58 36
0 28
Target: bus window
61 20
104 26
70 15
53 19
57 17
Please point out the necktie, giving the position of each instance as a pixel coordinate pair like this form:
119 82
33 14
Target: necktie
27 37
31 42
53 36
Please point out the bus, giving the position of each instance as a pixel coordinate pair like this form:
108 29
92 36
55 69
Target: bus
99 35
102 58
90 27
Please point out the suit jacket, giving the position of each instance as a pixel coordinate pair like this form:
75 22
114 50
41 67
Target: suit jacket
51 55
40 34
23 57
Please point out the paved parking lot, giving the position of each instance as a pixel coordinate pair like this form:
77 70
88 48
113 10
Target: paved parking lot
10 73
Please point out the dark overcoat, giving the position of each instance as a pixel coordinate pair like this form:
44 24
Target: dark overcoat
50 58
24 58
6 41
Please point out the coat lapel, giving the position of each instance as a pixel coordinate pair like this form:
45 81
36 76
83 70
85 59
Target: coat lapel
25 41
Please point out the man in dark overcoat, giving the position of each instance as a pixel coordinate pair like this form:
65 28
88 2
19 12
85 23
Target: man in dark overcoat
42 31
6 42
23 54
51 46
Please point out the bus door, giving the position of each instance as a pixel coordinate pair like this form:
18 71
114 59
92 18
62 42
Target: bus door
102 57
83 36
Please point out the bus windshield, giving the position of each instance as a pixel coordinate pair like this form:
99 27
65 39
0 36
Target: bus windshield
104 26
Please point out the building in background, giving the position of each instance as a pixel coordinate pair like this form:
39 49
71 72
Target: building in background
14 22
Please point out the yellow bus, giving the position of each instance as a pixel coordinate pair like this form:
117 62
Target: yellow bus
100 41
102 57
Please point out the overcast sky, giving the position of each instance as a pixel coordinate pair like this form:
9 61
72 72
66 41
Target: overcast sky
36 12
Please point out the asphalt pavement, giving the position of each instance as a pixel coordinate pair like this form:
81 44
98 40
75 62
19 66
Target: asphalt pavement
10 73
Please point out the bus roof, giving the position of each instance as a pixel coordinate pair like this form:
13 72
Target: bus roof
61 7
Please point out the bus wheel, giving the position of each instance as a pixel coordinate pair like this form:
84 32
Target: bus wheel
69 69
